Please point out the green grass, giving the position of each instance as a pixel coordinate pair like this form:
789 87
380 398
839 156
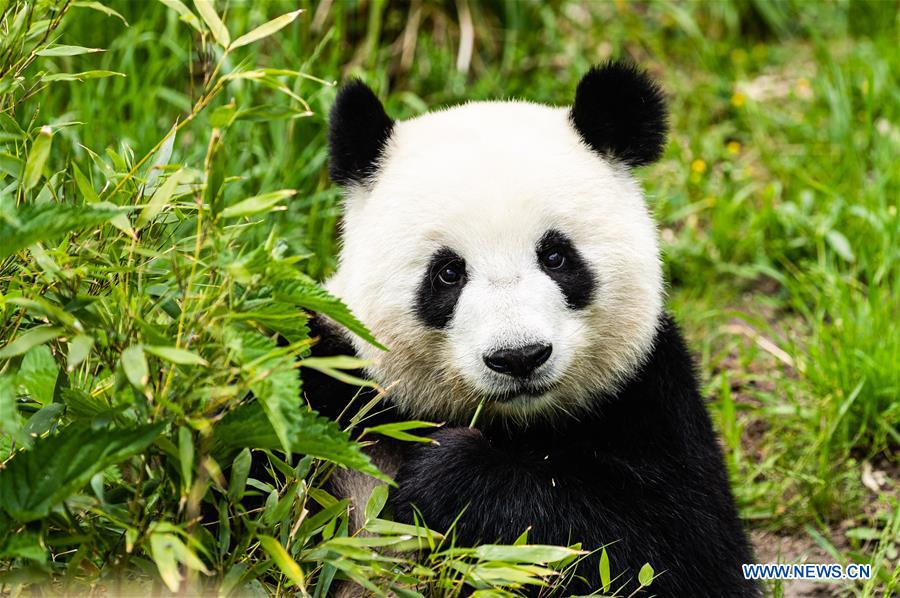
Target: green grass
778 207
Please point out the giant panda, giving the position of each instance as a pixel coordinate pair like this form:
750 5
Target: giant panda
504 253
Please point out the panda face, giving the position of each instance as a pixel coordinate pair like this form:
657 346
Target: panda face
502 260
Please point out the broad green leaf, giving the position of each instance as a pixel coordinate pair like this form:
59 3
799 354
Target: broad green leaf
376 502
96 74
36 480
26 545
186 456
257 203
44 419
311 434
100 8
605 577
645 575
266 29
84 186
272 378
32 338
212 20
283 560
79 349
240 470
38 374
41 222
398 430
175 355
10 420
168 552
184 14
37 157
134 363
67 51
840 245
528 553
304 292
159 199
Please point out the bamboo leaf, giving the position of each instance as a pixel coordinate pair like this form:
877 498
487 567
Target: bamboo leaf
32 338
645 575
605 577
283 560
266 29
184 13
62 50
175 355
40 222
159 199
212 20
134 363
100 8
36 480
37 157
95 74
79 349
257 203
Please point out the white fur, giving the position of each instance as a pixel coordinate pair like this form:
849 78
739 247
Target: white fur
487 180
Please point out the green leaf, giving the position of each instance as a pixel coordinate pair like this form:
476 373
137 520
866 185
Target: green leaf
283 560
84 186
96 74
41 222
240 470
36 480
67 51
840 245
333 366
272 378
175 355
37 157
184 13
528 553
645 575
186 456
309 434
10 420
266 29
257 203
32 338
79 348
376 502
159 199
212 20
605 577
38 374
398 430
168 551
134 363
100 8
304 291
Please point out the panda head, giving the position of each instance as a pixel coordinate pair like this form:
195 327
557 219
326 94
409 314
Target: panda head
502 251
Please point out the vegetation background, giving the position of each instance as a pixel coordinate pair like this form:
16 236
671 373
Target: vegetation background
164 212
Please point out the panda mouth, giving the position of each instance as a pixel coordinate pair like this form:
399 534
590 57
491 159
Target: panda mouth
520 391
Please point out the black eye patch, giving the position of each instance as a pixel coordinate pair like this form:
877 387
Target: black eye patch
559 259
440 288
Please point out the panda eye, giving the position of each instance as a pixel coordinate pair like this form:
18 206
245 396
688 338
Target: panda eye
553 259
451 274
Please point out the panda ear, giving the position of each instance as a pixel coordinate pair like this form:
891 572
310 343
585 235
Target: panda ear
358 132
621 112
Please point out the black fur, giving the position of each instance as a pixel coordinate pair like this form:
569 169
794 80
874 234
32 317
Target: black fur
359 130
643 470
621 113
574 278
435 301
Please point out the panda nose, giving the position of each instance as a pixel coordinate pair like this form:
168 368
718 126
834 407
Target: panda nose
518 362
